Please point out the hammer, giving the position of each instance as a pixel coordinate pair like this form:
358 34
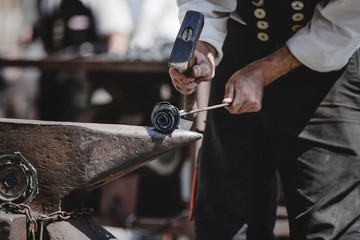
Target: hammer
166 117
182 54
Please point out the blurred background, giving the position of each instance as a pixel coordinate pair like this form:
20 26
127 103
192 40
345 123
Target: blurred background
127 43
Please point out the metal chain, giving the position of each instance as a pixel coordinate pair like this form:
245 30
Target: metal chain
63 215
32 227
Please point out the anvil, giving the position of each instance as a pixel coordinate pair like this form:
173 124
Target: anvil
69 157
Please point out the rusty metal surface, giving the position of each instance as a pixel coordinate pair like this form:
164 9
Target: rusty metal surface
74 156
12 226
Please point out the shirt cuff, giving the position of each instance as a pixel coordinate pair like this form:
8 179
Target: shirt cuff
212 26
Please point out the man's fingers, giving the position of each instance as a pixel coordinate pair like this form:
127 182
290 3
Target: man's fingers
185 88
238 101
246 107
203 69
244 101
229 97
229 91
202 72
179 76
174 73
196 71
227 100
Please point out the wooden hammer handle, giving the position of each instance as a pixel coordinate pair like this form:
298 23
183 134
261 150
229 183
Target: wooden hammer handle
189 105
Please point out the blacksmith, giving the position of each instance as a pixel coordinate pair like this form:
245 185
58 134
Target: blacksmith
290 69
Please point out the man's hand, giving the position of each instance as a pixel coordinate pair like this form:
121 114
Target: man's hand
203 70
245 88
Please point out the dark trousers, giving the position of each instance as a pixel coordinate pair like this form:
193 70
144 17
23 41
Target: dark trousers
308 129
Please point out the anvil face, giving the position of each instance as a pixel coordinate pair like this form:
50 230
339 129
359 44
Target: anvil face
70 157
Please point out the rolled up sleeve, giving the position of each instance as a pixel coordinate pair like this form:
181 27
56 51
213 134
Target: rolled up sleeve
216 13
327 42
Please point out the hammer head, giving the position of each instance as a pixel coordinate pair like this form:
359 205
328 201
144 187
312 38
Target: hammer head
182 55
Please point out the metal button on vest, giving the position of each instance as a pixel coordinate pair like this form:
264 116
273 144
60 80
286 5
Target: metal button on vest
259 13
262 25
297 17
258 3
297 5
263 36
296 28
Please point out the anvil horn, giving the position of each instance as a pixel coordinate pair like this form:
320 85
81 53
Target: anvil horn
74 156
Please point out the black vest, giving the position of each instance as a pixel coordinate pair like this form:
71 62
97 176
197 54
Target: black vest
275 21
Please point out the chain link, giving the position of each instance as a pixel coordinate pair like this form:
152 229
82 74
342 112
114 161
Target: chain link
63 215
32 227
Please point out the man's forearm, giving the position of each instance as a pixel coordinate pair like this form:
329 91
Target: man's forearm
276 65
244 90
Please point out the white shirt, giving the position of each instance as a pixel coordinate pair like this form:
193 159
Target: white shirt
325 44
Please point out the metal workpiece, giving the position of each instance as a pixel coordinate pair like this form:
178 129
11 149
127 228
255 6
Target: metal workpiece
71 157
165 117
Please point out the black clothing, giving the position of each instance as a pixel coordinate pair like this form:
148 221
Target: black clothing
308 128
278 19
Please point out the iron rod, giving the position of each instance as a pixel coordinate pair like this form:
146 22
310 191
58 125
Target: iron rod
183 112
